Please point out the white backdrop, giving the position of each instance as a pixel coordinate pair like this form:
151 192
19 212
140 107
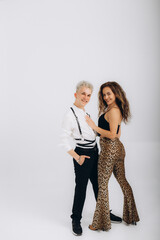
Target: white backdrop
46 47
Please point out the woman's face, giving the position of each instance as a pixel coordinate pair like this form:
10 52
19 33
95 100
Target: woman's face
108 96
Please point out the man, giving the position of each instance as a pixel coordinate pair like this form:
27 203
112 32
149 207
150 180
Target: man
85 155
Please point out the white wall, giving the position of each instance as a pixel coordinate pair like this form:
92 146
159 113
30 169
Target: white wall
46 47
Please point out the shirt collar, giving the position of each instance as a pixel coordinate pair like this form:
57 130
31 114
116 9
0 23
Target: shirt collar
78 109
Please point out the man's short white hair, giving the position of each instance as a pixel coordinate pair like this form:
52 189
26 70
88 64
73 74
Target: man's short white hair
84 84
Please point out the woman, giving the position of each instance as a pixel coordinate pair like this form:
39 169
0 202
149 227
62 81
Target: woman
115 108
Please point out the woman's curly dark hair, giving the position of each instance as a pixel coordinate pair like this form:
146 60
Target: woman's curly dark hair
121 100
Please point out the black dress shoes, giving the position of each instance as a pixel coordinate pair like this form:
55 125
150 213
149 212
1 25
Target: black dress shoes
76 228
114 218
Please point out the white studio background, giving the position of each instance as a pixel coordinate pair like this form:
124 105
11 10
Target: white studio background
46 47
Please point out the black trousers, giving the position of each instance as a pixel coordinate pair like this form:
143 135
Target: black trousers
83 173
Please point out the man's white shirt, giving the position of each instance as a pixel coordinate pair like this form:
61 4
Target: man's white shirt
70 129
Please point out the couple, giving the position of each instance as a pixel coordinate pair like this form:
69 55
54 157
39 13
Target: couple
113 109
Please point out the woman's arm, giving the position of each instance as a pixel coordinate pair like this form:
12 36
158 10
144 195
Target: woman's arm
113 123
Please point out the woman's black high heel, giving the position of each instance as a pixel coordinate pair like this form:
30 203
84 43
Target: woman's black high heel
134 223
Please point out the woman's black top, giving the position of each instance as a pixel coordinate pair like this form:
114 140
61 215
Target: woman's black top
102 123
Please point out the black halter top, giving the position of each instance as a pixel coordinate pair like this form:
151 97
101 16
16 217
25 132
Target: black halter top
104 124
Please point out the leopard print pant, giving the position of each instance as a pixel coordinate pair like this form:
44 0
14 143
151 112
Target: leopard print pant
111 159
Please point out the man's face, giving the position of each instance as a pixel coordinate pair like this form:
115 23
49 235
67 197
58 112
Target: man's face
82 96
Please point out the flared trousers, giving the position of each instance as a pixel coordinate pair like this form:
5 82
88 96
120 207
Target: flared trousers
111 159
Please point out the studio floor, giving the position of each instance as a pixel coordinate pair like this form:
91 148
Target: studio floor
39 210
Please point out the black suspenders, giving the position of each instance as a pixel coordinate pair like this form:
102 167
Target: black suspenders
80 131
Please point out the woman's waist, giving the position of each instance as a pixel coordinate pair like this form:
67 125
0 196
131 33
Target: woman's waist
109 139
115 141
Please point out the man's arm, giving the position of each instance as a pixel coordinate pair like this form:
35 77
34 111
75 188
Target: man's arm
79 158
73 154
67 126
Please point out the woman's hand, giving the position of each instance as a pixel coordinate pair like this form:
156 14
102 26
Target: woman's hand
90 122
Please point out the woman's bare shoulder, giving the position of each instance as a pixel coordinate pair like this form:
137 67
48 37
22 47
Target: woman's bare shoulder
114 110
115 113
